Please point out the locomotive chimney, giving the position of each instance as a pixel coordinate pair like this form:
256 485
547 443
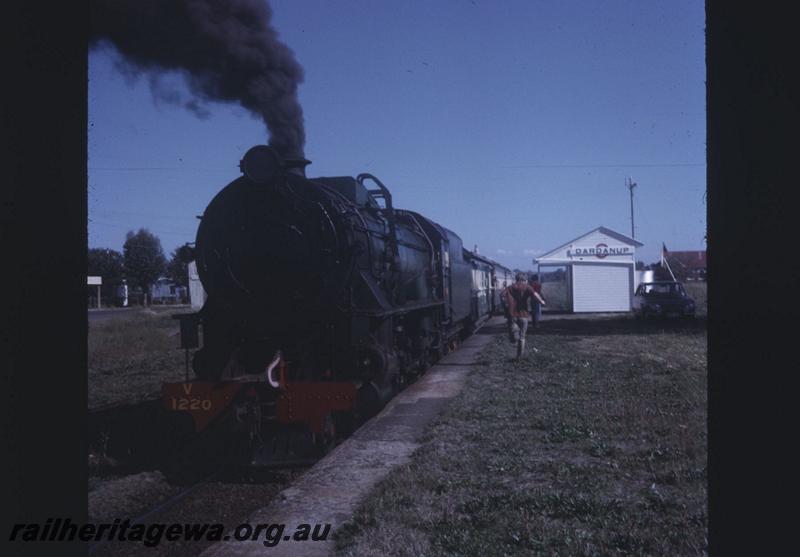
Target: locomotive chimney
262 163
296 166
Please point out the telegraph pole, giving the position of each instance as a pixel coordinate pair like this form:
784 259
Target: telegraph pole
631 184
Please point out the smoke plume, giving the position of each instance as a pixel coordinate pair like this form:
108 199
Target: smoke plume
227 50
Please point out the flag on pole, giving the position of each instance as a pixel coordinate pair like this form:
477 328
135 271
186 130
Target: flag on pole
664 262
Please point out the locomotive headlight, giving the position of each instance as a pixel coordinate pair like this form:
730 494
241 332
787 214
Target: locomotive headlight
260 164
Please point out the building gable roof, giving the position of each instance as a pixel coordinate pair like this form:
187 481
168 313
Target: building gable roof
603 230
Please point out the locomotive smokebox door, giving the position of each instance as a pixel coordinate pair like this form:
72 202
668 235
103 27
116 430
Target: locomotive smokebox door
190 336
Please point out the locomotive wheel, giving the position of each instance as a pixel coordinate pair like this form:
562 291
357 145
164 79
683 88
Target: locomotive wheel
368 402
184 462
343 423
295 443
275 447
188 457
325 441
176 463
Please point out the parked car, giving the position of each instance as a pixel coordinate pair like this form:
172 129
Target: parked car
662 299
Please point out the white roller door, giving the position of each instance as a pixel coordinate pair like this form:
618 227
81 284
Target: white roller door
601 287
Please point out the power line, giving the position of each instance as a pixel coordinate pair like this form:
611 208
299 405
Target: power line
149 215
229 169
137 168
604 165
160 231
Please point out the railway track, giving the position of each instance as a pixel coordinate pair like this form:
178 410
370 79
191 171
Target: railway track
125 434
229 491
127 438
127 448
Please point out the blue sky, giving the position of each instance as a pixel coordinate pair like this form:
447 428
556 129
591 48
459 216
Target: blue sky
515 123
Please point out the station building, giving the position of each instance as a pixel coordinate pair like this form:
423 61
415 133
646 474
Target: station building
595 272
197 294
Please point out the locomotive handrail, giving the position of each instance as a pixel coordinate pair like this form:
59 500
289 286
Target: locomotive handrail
330 222
383 192
386 236
395 311
388 212
424 235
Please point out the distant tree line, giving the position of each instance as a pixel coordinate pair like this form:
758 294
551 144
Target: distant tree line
141 264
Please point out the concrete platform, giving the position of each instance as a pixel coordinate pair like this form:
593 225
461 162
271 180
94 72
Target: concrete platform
329 492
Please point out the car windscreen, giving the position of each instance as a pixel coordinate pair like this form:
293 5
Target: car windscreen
665 289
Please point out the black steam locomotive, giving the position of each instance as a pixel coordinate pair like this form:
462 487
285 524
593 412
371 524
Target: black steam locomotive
324 300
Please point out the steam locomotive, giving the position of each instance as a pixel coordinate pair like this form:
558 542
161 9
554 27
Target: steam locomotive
323 301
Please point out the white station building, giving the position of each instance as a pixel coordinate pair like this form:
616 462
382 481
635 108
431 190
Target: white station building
197 294
600 270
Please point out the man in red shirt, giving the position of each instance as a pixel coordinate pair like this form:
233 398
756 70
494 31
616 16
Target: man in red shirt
517 297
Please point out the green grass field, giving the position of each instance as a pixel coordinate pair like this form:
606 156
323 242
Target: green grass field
595 445
130 356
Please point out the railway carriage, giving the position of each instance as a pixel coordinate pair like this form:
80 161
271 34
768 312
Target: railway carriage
503 276
482 287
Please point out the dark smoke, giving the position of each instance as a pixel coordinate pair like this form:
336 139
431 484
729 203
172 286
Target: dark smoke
170 95
226 49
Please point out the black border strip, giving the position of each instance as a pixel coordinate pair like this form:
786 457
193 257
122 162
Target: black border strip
43 223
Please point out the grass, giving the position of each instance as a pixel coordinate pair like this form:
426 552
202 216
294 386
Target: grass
699 291
130 356
594 445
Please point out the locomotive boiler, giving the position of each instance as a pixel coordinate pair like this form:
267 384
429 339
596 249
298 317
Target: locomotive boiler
323 300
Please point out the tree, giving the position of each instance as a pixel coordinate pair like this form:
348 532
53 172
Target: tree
106 263
144 258
178 267
660 271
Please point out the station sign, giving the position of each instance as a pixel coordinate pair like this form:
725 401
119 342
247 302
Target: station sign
600 251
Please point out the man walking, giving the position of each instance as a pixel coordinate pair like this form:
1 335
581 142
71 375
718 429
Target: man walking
537 307
517 297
